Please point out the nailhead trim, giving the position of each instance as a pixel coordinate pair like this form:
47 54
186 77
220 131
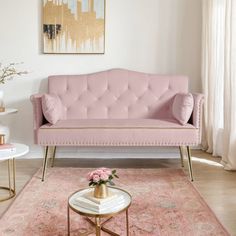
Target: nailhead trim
116 144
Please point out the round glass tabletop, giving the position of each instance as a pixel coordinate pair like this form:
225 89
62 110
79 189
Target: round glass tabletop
127 199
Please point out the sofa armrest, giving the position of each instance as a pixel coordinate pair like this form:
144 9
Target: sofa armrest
197 109
38 118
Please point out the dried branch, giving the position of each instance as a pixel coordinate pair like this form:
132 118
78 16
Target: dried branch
9 71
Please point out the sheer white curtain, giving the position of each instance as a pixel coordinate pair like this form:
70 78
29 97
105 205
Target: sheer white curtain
219 79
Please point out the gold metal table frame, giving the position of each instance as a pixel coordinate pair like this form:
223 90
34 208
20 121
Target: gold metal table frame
11 180
99 226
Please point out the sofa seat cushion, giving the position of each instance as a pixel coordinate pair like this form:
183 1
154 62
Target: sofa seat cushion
116 123
120 132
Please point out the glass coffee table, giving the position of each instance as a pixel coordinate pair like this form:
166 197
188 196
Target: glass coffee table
109 214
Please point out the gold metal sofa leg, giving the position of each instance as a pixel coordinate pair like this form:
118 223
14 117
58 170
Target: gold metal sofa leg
53 156
45 163
190 163
181 155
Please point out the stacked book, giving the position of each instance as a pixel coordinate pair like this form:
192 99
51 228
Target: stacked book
112 203
7 148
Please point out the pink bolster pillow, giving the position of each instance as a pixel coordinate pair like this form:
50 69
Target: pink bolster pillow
52 107
182 107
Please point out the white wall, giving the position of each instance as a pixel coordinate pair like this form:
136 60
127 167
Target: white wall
155 36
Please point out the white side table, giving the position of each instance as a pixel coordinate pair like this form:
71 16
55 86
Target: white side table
21 150
5 129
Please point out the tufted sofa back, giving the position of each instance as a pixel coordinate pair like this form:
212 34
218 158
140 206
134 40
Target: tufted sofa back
117 94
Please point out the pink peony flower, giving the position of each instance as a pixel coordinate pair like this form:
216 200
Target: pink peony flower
98 172
90 176
104 177
105 170
96 178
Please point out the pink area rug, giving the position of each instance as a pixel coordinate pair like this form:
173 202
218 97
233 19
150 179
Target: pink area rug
165 203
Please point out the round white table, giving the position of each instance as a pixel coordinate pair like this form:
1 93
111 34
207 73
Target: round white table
21 150
99 226
8 111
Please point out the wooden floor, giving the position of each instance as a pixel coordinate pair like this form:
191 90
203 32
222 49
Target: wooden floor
217 186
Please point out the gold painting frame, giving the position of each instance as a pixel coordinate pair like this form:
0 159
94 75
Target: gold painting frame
74 26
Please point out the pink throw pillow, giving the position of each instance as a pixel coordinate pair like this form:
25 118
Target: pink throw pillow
182 107
52 107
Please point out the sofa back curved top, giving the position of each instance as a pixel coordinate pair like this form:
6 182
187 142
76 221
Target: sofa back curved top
117 94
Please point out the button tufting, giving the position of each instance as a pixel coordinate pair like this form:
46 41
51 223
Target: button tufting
128 97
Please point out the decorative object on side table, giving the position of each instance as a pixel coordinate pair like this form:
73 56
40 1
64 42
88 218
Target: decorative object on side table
4 130
8 72
99 178
2 107
2 139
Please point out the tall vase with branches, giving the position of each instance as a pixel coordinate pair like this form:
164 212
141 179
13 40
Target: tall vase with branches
8 72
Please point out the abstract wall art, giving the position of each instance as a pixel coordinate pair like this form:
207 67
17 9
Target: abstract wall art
74 26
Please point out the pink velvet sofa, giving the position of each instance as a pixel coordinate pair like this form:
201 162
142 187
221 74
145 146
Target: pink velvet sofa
118 108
